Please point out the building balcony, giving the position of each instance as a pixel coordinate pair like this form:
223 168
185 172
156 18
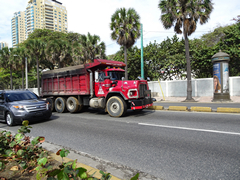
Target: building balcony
49 24
48 13
48 16
49 19
48 6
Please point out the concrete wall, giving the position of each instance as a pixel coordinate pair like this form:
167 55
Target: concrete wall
178 88
200 87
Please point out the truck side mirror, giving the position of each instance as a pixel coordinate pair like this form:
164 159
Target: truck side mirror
148 78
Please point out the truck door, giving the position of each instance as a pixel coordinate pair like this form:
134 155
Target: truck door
100 89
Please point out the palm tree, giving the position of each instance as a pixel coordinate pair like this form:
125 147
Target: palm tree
185 14
21 54
7 61
57 50
90 47
35 49
125 26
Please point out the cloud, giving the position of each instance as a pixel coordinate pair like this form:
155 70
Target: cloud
94 16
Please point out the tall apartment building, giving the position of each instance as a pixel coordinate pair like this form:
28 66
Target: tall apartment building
3 44
39 14
18 27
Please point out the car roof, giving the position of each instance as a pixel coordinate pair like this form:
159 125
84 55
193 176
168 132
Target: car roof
15 91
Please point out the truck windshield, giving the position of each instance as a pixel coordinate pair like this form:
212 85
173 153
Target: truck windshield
11 97
116 75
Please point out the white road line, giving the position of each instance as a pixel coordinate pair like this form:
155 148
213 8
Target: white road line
190 129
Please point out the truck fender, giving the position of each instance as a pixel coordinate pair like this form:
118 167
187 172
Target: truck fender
115 93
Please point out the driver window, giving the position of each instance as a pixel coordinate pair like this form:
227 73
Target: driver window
101 76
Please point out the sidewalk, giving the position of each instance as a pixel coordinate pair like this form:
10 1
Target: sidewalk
206 99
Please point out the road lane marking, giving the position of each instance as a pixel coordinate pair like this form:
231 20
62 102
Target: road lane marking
190 129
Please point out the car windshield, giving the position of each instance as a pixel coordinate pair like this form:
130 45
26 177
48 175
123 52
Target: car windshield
20 96
116 75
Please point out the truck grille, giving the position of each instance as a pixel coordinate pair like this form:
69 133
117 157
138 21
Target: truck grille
33 108
142 89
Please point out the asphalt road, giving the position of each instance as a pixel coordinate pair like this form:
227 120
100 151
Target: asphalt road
169 145
214 106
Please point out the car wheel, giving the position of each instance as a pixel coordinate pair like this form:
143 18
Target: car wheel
116 106
60 105
9 119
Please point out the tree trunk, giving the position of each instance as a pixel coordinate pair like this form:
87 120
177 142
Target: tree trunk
189 81
125 59
11 78
23 62
38 84
22 79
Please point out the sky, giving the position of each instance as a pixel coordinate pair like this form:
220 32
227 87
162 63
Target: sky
94 16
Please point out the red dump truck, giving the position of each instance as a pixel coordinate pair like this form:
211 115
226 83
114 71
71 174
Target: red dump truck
99 84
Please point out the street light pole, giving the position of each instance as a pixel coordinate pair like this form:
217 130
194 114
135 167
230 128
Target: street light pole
26 69
142 64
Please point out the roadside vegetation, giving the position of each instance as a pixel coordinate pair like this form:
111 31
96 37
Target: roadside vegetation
21 158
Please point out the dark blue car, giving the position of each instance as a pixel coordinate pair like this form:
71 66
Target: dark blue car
19 105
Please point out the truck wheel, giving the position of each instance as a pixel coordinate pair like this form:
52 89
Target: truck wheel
60 105
72 104
116 106
52 103
9 119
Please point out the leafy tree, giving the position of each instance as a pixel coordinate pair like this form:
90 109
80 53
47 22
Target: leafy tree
237 19
212 38
89 47
185 14
36 48
21 54
230 44
57 50
7 59
125 26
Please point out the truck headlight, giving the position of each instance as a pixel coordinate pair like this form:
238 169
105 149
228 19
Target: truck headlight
133 93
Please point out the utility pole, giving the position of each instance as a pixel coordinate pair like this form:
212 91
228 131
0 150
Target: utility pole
142 63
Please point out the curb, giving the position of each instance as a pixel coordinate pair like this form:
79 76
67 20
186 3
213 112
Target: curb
196 109
228 110
156 107
177 108
201 109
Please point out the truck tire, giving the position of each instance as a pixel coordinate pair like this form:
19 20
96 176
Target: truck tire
116 106
72 104
52 103
60 105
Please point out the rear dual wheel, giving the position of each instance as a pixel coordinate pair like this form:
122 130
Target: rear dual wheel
73 105
60 104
